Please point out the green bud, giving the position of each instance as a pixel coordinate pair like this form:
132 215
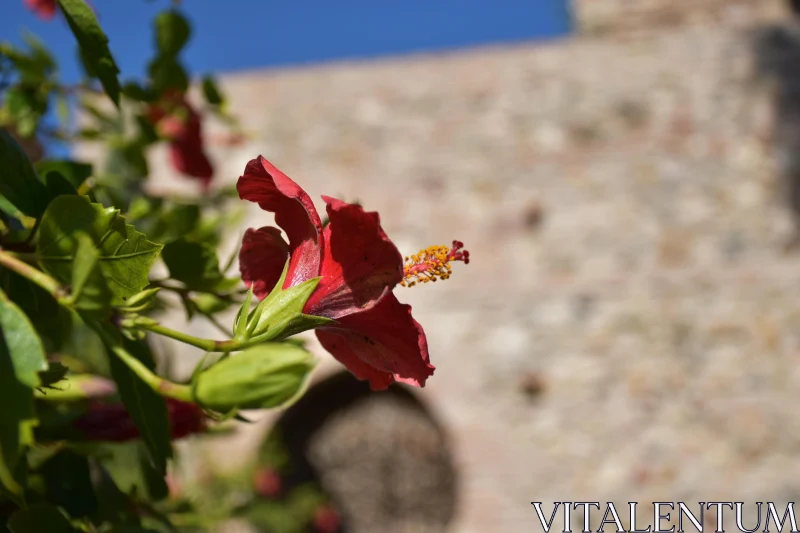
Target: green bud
264 376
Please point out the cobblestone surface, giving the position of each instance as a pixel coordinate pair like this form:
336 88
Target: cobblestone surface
628 325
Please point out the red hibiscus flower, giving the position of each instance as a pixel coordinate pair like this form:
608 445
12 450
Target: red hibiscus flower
180 123
373 335
44 9
111 422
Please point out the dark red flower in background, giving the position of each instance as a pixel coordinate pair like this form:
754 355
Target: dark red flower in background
178 120
111 422
44 9
374 335
326 519
267 482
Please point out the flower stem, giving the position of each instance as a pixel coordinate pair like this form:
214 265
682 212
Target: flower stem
162 386
35 275
208 345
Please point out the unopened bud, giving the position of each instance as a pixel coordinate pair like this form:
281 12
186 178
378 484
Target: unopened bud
264 376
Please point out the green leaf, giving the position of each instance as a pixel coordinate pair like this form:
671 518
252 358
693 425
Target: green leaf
23 343
164 222
93 44
33 66
147 132
166 72
135 91
58 185
264 376
172 32
209 304
38 519
125 255
19 183
86 258
26 106
75 172
21 359
52 321
195 264
69 484
90 290
113 505
83 350
154 482
147 409
211 91
39 55
130 467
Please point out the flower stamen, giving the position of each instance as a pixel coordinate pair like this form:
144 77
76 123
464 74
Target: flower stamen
432 263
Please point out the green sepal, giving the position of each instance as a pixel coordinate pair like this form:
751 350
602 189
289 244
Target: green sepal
240 322
280 314
141 301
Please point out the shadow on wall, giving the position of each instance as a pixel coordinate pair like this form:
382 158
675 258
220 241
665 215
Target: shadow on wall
381 458
777 59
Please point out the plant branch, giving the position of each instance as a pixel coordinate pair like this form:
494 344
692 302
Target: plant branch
35 275
160 385
208 345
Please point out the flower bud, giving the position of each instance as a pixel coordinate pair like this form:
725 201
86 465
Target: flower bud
266 375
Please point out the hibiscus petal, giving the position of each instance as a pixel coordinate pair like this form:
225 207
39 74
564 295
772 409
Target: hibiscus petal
359 262
189 158
262 258
382 345
45 9
273 191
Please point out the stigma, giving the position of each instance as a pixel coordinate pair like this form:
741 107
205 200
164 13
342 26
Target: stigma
432 263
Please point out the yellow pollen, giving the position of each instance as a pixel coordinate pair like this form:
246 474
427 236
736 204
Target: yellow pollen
432 263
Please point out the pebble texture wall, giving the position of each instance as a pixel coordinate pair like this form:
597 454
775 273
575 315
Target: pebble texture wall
627 328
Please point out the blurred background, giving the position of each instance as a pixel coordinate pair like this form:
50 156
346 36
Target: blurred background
626 177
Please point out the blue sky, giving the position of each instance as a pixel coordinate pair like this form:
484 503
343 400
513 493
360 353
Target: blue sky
250 34
246 34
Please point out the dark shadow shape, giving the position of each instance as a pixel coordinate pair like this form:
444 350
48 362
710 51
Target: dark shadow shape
334 396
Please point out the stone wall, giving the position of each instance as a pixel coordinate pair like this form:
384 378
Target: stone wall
628 325
612 16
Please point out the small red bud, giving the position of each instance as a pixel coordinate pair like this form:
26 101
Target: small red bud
267 483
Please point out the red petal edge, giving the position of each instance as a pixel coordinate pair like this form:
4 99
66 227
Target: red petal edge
262 258
359 262
383 344
275 192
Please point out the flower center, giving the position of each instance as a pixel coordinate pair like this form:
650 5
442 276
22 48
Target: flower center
432 263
